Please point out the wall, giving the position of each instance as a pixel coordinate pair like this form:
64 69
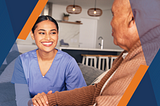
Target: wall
70 32
58 10
105 30
28 41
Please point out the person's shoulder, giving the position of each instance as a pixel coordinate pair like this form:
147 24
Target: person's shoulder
65 54
29 54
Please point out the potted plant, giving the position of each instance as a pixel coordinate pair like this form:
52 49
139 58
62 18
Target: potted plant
65 17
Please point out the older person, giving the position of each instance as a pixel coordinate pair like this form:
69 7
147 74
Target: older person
110 89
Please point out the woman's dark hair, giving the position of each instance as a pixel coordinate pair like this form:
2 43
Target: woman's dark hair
43 18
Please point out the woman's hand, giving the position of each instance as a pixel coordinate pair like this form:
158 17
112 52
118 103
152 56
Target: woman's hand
40 99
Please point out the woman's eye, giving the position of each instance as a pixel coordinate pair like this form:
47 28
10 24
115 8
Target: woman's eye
53 32
42 33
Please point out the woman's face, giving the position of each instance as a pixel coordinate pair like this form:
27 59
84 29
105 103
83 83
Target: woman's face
45 36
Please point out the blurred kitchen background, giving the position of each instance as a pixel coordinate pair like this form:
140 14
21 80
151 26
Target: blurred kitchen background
89 32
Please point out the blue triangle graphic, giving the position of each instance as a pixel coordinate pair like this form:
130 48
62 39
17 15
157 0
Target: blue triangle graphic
154 72
19 12
7 37
144 94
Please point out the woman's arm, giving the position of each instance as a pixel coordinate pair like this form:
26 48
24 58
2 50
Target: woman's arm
21 87
74 77
22 94
77 97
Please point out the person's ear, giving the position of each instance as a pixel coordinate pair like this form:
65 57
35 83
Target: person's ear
131 22
32 35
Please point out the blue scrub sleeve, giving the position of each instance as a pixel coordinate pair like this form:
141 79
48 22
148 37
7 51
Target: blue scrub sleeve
22 94
21 87
18 74
74 75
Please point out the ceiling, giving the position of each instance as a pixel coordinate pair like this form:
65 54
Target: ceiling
103 4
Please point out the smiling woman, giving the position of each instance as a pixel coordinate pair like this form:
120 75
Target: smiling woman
45 69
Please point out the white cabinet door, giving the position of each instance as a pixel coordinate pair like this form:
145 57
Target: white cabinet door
88 32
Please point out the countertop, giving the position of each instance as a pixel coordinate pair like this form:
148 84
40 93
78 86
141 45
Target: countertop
94 49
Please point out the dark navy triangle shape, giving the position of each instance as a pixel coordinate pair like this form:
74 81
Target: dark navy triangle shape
7 37
144 94
19 12
154 72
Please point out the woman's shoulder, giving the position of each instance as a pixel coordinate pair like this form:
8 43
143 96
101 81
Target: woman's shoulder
27 55
64 54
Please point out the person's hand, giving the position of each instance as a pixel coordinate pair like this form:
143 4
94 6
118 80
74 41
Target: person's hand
50 92
40 99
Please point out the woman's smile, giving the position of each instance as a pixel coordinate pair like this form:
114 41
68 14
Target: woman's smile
47 43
